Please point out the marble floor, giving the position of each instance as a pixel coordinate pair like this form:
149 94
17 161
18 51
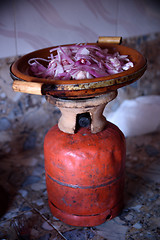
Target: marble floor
24 208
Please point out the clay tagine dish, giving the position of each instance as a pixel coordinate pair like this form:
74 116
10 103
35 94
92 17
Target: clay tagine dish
25 81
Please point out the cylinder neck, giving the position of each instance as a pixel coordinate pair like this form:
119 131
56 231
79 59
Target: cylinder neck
82 113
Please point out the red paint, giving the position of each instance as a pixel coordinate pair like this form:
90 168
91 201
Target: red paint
85 174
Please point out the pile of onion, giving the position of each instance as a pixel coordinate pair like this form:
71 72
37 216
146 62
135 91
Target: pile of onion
79 61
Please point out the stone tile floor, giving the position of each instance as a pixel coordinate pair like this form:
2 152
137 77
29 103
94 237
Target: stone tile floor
23 195
23 198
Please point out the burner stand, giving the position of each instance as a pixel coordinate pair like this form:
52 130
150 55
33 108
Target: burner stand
70 109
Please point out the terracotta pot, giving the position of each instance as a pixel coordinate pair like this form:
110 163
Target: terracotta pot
83 88
85 174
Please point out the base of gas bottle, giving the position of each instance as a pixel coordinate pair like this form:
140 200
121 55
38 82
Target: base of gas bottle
86 220
85 174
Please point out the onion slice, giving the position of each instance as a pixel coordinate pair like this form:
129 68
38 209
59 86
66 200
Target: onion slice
79 61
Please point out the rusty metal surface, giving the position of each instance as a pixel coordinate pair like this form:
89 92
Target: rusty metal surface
85 174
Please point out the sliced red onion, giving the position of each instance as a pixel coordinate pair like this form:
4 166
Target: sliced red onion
79 61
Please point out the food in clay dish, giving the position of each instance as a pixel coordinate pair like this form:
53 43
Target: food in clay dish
79 61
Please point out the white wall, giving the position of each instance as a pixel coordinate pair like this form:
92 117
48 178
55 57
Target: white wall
27 25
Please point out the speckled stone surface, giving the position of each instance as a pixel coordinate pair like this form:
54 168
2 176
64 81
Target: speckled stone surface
24 201
24 121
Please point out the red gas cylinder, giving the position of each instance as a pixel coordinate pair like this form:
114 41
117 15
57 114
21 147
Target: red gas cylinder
85 174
